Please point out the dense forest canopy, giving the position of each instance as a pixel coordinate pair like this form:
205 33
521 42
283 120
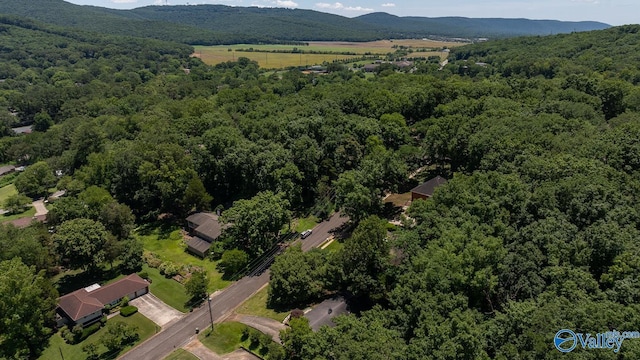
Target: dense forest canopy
220 24
535 231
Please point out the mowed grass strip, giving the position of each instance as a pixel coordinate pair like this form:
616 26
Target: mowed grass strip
181 354
59 349
257 306
225 338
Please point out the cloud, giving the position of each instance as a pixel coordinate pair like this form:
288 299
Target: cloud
286 3
388 5
330 6
124 1
341 6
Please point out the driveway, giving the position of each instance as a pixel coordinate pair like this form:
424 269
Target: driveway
40 208
323 313
156 310
264 325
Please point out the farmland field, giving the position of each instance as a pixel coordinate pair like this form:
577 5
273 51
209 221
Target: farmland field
269 60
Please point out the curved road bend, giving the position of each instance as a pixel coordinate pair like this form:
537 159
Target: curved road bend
181 332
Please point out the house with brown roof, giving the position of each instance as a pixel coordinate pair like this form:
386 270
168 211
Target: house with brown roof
204 229
426 189
85 306
7 169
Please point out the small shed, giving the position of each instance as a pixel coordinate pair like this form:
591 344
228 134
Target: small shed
426 189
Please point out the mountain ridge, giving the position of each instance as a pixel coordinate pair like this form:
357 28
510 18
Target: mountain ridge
221 24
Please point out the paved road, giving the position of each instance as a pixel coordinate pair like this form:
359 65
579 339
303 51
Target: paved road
182 332
322 231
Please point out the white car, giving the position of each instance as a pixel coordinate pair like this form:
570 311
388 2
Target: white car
305 234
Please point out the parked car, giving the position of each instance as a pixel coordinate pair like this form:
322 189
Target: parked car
305 234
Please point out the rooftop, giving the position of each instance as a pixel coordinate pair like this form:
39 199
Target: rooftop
427 188
81 303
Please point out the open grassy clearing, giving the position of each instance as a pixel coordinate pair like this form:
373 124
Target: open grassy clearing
168 244
6 192
59 349
217 54
269 60
257 306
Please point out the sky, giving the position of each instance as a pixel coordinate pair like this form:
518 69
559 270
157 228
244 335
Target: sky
614 12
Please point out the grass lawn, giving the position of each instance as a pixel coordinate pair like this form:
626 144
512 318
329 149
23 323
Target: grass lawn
181 354
399 199
167 290
6 192
225 338
334 246
28 213
59 349
168 244
257 306
306 223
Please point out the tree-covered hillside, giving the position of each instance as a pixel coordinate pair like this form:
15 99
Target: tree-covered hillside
219 24
536 230
414 26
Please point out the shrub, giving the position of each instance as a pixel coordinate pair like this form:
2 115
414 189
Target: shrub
254 337
245 333
103 319
276 352
86 332
107 309
265 341
128 310
168 269
69 338
152 259
144 275
124 301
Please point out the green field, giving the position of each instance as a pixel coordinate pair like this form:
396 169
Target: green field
217 54
257 306
169 246
59 349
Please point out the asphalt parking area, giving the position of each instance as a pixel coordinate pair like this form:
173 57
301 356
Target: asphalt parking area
156 310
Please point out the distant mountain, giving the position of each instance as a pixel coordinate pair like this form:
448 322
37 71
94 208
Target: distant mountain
412 26
218 24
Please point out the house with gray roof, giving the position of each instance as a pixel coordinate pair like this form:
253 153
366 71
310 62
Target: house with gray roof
204 229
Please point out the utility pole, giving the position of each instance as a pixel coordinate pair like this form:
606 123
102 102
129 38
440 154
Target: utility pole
210 314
